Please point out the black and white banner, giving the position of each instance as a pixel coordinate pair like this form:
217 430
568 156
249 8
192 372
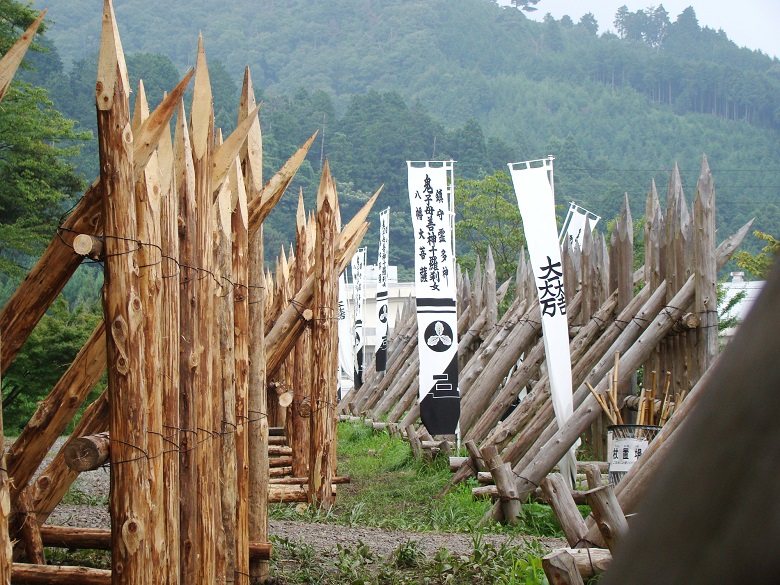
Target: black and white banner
382 314
346 366
575 222
358 271
432 206
533 182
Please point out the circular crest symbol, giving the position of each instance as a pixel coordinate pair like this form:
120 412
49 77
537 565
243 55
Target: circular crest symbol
438 336
383 314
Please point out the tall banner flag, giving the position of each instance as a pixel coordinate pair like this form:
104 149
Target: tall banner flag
358 270
346 365
380 355
574 224
432 206
533 182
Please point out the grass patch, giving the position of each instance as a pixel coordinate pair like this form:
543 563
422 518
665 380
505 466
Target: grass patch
487 564
391 489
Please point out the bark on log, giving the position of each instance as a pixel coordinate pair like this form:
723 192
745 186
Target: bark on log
608 516
414 441
557 492
72 537
502 477
6 548
24 574
560 568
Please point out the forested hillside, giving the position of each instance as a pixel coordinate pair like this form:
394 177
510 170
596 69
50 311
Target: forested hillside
389 80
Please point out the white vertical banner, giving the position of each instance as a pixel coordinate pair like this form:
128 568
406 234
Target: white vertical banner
533 182
574 224
430 196
380 354
346 365
358 272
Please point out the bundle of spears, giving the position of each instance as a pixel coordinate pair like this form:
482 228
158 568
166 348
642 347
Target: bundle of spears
653 407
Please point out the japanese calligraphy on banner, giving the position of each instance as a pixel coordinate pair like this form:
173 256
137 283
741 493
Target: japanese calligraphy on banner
346 364
432 206
380 355
533 182
358 270
574 224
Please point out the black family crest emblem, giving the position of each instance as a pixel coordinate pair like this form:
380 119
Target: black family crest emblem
438 336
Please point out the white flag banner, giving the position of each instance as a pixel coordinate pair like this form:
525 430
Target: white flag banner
574 224
380 355
431 199
358 272
533 182
346 365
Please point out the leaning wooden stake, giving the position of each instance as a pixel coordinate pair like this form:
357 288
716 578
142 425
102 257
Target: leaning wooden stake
608 515
324 399
502 477
129 500
558 493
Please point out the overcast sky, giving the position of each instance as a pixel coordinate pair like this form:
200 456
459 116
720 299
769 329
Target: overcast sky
749 23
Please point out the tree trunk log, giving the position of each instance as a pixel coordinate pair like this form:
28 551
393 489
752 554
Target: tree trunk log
559 495
87 453
560 568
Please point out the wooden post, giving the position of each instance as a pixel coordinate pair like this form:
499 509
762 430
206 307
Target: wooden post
202 136
502 477
324 399
414 441
593 473
169 366
558 493
301 405
608 515
6 549
148 201
560 568
43 574
241 355
705 298
129 500
257 421
225 416
188 349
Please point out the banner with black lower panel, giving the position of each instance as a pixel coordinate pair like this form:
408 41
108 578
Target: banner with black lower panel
431 199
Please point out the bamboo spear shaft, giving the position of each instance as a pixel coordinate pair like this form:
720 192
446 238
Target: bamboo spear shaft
129 500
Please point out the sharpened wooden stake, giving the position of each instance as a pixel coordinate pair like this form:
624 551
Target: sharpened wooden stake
607 514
